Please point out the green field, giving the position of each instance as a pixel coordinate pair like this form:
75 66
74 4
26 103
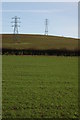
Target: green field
40 87
39 42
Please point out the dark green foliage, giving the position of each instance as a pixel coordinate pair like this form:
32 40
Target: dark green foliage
58 52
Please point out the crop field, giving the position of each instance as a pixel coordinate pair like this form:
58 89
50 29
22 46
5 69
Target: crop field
39 42
40 87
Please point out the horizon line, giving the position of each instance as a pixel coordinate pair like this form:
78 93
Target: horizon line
42 34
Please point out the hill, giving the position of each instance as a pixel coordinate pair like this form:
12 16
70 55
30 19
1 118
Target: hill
28 44
40 42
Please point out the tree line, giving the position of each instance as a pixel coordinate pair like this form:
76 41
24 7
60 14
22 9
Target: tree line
56 52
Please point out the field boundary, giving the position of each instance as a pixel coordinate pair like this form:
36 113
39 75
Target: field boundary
50 52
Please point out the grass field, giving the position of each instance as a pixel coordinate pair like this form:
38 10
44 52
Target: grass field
40 42
40 87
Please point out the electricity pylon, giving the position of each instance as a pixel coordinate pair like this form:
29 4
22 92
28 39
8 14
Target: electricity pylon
46 26
15 26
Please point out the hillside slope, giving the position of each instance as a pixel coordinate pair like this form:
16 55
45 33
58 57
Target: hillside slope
38 42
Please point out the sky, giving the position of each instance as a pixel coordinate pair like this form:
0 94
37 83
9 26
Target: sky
62 17
40 0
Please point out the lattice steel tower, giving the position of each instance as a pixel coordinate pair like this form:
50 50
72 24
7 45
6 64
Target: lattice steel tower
46 26
15 26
